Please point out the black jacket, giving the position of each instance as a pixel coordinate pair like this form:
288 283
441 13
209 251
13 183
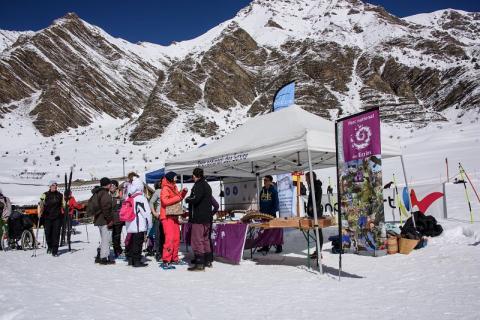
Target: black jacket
52 205
200 202
318 199
103 210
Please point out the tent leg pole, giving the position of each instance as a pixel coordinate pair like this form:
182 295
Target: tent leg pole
445 212
258 192
408 190
315 214
181 185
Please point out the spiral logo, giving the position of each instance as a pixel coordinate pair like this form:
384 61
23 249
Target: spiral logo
361 139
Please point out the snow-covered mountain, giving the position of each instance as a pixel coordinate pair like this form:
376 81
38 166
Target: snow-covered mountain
346 55
76 83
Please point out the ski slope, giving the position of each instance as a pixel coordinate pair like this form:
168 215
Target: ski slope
441 281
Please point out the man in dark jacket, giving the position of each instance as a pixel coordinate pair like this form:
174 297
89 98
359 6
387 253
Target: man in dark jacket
269 197
200 207
103 219
51 204
318 202
117 224
269 205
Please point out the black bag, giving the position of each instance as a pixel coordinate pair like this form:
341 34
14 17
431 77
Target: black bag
425 226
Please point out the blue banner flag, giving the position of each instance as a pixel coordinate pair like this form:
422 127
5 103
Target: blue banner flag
284 97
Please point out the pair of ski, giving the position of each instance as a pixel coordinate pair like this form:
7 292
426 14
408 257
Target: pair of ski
67 222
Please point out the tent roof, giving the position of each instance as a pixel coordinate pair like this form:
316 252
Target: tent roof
273 143
154 176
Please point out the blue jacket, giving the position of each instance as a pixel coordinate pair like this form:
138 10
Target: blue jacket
269 200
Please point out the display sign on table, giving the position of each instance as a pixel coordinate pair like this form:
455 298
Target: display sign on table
286 195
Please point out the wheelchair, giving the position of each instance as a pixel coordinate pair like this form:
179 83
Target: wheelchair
17 233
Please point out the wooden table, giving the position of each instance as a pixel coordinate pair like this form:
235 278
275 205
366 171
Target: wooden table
304 225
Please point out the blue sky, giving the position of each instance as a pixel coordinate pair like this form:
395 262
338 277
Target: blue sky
164 21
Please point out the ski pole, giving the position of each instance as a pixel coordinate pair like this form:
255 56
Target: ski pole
470 181
36 239
466 192
86 230
399 204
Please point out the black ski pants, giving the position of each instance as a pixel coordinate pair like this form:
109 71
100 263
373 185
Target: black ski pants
52 233
136 244
117 238
159 238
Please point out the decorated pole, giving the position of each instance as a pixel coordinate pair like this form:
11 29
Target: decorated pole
469 181
466 192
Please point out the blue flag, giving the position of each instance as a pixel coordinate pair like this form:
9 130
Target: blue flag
284 97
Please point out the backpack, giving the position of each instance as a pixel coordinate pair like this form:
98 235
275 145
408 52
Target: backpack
93 205
127 213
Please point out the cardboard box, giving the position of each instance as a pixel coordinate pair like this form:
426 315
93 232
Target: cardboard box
308 223
284 223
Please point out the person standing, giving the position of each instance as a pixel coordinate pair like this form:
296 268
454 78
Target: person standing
141 223
170 196
73 205
157 225
117 224
318 203
51 204
103 219
5 211
200 207
269 205
126 189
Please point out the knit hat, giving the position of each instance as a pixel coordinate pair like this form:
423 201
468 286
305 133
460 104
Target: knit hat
170 176
104 182
114 182
52 182
136 186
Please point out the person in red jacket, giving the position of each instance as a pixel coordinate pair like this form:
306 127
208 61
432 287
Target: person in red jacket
170 195
73 204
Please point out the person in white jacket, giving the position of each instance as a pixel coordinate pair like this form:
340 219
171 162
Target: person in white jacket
139 225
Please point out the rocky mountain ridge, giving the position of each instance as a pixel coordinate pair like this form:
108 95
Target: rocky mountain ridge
345 56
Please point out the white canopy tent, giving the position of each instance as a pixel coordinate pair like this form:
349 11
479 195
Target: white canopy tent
287 140
273 143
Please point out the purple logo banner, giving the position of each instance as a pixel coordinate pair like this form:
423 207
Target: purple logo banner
360 181
361 136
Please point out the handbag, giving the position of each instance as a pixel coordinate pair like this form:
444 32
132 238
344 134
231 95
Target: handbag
174 210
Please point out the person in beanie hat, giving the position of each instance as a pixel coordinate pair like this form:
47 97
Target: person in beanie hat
140 225
200 207
51 208
103 219
159 237
117 224
169 196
